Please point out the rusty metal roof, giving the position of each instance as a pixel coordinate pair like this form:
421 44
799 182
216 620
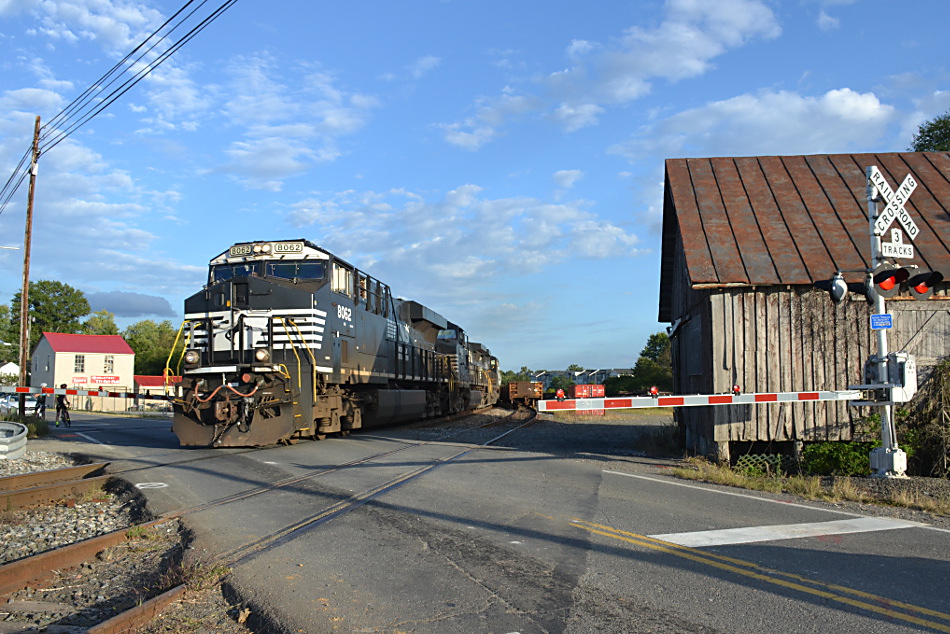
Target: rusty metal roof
776 220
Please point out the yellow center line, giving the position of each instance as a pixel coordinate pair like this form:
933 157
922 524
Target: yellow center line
792 581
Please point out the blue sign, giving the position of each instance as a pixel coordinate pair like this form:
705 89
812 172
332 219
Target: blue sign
882 322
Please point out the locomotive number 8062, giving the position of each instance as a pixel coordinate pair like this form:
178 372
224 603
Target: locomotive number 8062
287 341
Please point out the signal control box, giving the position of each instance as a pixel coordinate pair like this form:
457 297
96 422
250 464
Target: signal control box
902 373
897 386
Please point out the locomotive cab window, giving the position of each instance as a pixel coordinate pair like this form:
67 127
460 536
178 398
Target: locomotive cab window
305 271
224 272
342 279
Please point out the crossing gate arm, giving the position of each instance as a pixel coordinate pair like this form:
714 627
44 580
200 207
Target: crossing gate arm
696 400
72 392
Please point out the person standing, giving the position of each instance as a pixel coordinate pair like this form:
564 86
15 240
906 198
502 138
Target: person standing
40 408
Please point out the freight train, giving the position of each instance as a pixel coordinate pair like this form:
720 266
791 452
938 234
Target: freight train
287 341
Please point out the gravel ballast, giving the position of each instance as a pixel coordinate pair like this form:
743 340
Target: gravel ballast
118 579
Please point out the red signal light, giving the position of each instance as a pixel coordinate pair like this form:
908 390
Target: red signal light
922 285
887 279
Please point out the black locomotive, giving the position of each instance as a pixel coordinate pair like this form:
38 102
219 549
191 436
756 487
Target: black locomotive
288 341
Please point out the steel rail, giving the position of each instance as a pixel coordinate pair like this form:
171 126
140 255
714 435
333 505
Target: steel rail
51 476
140 615
73 489
41 566
308 476
36 568
251 549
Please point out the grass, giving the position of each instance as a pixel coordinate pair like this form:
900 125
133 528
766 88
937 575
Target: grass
36 427
197 576
840 489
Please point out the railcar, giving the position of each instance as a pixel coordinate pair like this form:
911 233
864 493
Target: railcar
524 393
288 341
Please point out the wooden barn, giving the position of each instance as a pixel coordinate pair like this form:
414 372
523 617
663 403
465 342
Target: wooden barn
744 240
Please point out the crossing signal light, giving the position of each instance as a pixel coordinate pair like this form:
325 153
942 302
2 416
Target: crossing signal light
887 279
921 285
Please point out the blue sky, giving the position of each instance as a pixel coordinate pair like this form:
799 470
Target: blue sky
500 162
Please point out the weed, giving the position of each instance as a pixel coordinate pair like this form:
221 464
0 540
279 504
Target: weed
812 487
36 427
197 576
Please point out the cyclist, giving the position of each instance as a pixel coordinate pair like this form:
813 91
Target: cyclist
62 408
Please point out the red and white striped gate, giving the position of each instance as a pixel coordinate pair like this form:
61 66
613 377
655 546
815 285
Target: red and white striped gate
696 400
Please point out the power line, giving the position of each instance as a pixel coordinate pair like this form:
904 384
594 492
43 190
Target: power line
87 105
61 129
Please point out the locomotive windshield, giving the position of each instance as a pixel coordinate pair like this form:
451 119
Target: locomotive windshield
302 270
446 335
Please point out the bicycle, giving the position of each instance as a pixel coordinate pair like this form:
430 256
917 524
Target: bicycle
63 415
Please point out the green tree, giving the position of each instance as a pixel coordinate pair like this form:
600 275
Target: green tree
575 368
657 348
53 306
618 385
152 343
101 322
933 135
654 367
561 382
510 376
8 352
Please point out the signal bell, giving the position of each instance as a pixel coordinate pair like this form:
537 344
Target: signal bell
836 287
921 285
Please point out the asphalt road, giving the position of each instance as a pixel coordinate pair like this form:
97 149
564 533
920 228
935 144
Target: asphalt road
553 528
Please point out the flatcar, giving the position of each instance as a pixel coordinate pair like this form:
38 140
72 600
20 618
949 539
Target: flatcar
288 341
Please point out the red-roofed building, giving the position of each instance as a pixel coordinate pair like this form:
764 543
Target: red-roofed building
87 362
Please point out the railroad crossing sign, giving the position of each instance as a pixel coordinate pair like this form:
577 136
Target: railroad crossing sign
895 203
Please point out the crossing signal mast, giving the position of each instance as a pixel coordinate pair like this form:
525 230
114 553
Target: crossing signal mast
889 377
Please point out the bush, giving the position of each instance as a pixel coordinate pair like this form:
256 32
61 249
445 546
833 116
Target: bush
838 458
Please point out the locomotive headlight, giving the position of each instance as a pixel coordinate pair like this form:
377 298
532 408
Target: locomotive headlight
265 248
262 355
192 358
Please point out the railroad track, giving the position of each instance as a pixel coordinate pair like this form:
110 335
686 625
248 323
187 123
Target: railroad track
43 487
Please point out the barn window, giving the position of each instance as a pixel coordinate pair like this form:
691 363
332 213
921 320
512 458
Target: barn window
108 366
80 364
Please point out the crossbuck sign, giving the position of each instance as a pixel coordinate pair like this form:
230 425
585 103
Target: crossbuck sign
895 203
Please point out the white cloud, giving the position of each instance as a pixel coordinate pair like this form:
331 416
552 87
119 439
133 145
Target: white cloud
691 35
768 123
827 23
464 242
288 127
423 65
118 25
575 117
566 179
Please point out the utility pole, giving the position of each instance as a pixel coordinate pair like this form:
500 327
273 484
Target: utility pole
24 294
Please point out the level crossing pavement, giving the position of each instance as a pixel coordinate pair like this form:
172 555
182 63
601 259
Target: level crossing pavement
533 535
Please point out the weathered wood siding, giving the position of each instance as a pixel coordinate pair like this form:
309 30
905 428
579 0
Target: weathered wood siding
787 339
